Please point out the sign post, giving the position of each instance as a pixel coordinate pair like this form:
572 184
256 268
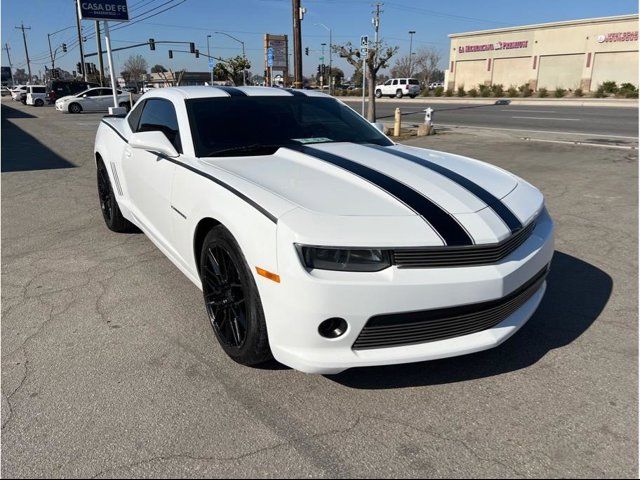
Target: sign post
364 51
114 10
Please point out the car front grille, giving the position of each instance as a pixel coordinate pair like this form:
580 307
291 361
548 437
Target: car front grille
461 256
398 329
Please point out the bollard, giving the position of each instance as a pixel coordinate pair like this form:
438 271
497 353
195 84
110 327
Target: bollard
396 125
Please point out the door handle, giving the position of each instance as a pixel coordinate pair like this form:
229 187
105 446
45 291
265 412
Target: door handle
127 153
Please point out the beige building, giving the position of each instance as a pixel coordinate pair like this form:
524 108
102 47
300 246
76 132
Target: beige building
571 54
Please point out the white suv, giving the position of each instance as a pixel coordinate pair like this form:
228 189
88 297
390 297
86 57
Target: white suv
36 95
399 87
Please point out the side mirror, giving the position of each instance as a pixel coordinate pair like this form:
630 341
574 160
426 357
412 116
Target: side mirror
379 126
156 142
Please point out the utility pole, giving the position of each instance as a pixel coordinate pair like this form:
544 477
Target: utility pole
26 50
298 13
411 32
100 62
83 70
376 25
6 47
209 57
53 60
322 67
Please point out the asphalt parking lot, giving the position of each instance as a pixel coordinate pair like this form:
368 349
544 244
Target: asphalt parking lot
110 368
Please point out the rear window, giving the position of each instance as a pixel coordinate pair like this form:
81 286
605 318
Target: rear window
413 82
38 89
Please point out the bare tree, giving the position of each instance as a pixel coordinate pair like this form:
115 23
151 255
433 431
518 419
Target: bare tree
402 67
377 58
135 67
426 63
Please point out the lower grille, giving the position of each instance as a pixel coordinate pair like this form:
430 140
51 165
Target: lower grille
397 329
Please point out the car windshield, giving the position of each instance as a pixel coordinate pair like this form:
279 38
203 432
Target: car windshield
262 124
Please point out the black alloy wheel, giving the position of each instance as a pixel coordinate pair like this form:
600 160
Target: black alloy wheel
232 300
109 205
224 297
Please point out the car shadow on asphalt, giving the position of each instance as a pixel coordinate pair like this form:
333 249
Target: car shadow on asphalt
22 151
577 292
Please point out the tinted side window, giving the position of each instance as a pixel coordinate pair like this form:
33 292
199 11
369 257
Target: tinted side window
134 117
388 82
39 90
413 82
160 115
403 82
93 93
395 82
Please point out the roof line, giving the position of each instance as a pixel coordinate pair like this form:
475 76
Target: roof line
633 16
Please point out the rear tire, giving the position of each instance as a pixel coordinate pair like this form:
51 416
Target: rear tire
232 299
75 108
399 93
39 102
109 205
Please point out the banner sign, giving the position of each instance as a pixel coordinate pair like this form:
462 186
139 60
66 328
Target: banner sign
494 46
111 10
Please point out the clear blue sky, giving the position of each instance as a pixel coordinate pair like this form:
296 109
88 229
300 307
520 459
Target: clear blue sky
192 20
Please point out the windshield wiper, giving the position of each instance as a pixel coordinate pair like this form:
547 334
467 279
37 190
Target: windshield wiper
256 147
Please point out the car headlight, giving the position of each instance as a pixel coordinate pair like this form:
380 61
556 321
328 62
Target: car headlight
344 259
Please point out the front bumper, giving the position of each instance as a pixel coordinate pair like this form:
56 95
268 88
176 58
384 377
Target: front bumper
295 307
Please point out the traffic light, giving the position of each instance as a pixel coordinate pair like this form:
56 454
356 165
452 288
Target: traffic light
319 73
152 44
192 47
170 53
197 53
64 47
306 51
79 67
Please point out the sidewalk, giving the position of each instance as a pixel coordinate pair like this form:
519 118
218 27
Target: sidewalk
533 101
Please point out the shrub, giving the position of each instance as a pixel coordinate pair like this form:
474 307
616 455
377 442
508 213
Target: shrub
439 91
560 92
485 91
498 90
578 92
628 90
448 93
600 93
461 92
424 92
609 87
525 90
633 94
473 92
512 92
542 92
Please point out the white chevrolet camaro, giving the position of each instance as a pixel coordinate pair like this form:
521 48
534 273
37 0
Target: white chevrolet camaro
317 240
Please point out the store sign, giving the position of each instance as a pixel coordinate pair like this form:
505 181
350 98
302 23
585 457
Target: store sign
618 37
113 10
494 46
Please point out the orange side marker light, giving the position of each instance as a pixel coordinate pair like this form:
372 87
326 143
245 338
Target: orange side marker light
266 274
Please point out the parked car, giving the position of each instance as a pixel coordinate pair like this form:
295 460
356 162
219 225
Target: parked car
92 100
398 87
4 91
147 88
434 85
36 95
18 92
64 88
315 238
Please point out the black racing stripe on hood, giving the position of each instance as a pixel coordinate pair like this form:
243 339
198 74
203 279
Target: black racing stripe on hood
232 91
507 216
451 232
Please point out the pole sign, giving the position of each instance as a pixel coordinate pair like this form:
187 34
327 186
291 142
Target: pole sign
212 63
270 57
112 10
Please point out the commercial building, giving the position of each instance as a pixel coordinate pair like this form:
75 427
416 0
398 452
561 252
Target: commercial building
570 54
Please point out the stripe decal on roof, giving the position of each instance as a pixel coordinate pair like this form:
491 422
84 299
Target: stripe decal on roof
445 225
232 91
493 202
296 93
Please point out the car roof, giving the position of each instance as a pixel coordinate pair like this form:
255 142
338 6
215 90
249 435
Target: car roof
213 91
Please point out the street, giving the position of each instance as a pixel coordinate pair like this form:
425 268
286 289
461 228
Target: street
590 121
111 369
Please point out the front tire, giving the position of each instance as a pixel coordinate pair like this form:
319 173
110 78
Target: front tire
75 108
378 93
232 300
109 205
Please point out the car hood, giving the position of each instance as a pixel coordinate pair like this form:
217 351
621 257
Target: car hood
318 181
314 184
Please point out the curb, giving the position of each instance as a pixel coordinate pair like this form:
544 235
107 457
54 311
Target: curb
549 102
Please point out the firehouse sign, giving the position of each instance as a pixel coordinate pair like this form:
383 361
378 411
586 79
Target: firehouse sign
112 10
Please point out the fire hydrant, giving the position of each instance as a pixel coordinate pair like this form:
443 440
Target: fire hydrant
427 127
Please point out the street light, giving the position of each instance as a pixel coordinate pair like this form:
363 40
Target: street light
209 56
244 71
411 33
330 63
